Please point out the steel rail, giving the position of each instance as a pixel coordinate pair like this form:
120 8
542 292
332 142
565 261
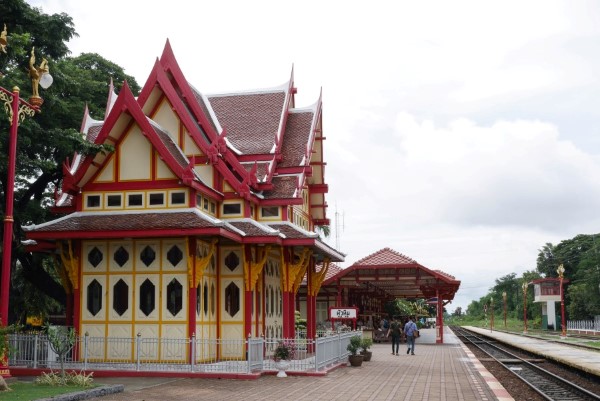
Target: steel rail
545 383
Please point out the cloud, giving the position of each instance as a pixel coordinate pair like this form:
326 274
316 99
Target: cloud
463 134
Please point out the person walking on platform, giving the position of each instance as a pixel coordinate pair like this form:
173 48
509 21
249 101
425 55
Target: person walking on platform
409 329
396 331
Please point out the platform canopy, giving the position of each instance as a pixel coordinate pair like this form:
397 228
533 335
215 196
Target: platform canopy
395 275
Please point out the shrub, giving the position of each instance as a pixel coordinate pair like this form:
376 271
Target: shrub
355 344
285 350
366 343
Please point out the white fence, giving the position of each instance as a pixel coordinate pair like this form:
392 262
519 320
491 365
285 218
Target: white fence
178 355
585 326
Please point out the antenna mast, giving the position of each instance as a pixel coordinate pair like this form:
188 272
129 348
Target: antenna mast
337 227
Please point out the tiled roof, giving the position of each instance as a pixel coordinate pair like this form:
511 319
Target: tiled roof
204 108
283 187
171 146
295 139
385 256
262 169
252 228
292 231
126 221
251 120
93 132
445 274
332 271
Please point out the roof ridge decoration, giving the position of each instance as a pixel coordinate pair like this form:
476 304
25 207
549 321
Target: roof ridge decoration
187 106
112 98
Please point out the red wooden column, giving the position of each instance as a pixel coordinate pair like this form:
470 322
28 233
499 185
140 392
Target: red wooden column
69 309
286 294
248 265
192 280
439 324
253 268
311 303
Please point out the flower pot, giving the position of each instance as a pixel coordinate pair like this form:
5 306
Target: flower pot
366 355
355 360
281 366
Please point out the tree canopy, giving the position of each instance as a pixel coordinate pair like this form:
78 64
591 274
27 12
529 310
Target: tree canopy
580 256
49 138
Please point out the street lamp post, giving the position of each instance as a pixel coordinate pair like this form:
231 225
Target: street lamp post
492 308
524 286
563 325
17 109
504 302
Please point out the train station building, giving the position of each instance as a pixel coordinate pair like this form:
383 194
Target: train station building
203 219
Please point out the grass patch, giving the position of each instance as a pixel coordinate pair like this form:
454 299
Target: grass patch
29 391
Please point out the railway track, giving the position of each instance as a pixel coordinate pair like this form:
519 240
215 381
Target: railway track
545 383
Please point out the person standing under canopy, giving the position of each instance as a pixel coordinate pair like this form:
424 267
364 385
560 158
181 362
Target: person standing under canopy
396 331
409 329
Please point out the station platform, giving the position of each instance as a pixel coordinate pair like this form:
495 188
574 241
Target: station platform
446 371
587 360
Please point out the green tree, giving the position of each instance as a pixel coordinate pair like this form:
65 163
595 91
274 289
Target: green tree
48 139
580 257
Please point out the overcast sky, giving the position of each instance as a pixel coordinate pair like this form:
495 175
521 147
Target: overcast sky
464 134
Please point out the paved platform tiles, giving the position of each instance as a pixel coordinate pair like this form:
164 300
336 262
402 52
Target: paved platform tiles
587 360
436 372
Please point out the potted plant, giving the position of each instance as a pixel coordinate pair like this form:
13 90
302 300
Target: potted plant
365 344
355 358
282 355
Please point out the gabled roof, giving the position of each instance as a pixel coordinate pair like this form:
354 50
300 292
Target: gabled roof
252 119
385 256
126 105
397 275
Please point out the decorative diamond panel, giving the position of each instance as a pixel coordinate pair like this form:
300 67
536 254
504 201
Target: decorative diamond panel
95 257
147 255
174 255
232 261
121 256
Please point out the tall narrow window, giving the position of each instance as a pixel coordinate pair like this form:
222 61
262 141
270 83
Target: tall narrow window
232 299
205 298
147 297
198 295
94 297
120 297
174 297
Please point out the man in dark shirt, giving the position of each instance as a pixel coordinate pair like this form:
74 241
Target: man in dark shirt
396 331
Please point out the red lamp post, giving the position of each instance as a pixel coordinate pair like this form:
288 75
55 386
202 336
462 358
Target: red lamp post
524 286
561 272
504 301
492 308
17 109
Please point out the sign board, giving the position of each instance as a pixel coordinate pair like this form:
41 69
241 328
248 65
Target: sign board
343 313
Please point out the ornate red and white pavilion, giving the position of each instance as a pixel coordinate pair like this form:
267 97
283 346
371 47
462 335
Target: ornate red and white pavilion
381 277
200 222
